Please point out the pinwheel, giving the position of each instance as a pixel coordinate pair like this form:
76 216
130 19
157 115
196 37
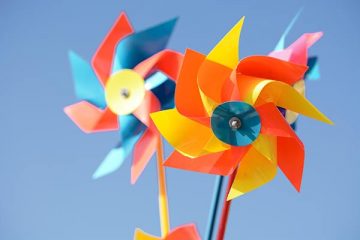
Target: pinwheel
131 75
226 120
184 232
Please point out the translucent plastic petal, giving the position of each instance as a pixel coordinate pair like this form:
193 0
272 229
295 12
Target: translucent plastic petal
103 58
139 46
90 118
143 151
226 52
221 163
254 170
257 91
187 96
272 69
87 86
186 135
167 62
290 149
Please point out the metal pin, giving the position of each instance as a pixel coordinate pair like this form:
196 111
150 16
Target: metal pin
235 123
125 93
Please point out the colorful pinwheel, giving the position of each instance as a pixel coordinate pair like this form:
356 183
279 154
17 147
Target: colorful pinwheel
184 232
131 75
226 119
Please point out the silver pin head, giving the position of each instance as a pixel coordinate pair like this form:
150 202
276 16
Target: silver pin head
125 93
235 123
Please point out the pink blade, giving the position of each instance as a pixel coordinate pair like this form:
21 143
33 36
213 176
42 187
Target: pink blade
299 49
143 151
167 61
148 105
103 57
90 118
290 149
185 232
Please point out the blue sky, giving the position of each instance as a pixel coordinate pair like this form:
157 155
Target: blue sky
46 162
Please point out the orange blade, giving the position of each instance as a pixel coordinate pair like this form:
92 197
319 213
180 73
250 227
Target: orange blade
103 57
185 232
166 61
221 163
187 96
90 118
271 68
143 151
212 78
290 149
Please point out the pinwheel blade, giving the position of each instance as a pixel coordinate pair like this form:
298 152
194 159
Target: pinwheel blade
90 118
141 235
258 91
226 52
188 232
221 163
103 58
185 135
131 129
167 62
254 170
155 80
87 86
187 96
271 68
281 44
142 45
143 151
313 72
299 49
290 149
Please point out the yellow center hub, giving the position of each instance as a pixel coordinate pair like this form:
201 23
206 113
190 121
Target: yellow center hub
124 91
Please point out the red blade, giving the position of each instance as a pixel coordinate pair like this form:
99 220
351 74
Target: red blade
103 57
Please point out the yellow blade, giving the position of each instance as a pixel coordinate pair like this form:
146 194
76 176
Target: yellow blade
255 169
257 91
226 52
185 135
290 115
140 235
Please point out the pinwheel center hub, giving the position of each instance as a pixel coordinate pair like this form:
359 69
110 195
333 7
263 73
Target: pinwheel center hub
124 91
236 123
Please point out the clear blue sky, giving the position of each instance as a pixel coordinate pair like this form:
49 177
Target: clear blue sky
46 162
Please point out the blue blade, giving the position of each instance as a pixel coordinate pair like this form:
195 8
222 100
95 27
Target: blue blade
165 93
313 73
131 130
155 80
87 86
281 44
141 45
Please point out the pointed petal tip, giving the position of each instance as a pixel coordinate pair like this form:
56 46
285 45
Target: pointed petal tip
233 194
134 177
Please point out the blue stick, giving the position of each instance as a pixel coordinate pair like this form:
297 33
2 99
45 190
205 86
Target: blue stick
214 207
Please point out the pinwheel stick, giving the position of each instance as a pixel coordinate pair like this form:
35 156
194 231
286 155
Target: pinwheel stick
226 209
163 199
215 202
